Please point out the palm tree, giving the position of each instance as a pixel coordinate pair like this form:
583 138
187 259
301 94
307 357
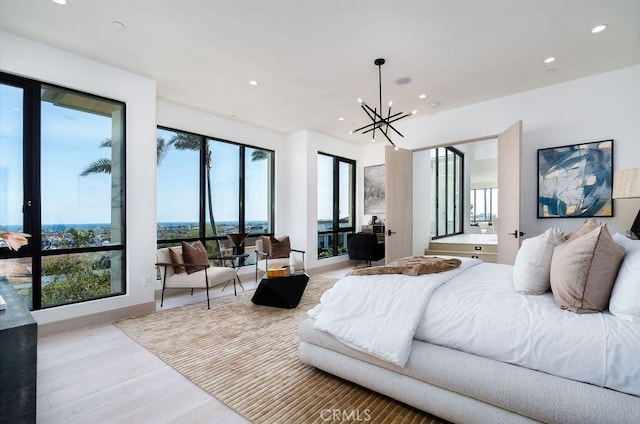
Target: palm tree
180 141
103 165
184 141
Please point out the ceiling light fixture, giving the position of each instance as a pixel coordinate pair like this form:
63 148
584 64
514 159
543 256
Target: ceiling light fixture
253 82
63 2
598 29
422 96
378 121
550 59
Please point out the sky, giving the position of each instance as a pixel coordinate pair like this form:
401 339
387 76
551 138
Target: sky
71 141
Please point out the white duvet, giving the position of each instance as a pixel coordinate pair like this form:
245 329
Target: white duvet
379 314
475 309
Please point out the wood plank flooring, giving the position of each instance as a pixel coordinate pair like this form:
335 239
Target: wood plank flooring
100 375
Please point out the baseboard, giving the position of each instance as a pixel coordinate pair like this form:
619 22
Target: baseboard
95 319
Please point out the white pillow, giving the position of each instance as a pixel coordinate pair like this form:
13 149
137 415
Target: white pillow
533 262
625 297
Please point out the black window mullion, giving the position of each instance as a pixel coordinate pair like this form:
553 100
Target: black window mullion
241 191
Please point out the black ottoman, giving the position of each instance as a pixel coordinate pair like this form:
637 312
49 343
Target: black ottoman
281 292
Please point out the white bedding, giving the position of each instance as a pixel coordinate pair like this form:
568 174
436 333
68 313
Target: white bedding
479 312
379 314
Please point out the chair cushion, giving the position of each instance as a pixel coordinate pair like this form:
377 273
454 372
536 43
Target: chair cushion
276 248
194 254
176 258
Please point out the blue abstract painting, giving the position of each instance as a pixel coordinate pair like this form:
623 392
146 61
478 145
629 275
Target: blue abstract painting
576 180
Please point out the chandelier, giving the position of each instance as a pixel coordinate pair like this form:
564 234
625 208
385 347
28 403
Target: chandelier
379 122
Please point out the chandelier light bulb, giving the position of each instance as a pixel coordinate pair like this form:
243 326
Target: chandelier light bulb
413 112
390 103
396 148
360 101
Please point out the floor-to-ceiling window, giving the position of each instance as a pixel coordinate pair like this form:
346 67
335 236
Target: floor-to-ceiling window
208 188
447 164
336 204
62 163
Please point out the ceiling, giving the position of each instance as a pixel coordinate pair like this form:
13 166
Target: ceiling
313 60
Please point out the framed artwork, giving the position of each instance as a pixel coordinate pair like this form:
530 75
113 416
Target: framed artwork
374 190
576 180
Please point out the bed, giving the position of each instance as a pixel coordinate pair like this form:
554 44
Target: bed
465 346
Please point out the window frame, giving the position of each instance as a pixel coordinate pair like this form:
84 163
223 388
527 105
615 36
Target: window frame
458 187
337 230
202 190
32 190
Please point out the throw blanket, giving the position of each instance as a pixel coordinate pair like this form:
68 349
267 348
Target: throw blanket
379 314
414 265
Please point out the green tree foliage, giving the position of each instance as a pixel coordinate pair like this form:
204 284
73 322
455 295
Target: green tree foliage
74 279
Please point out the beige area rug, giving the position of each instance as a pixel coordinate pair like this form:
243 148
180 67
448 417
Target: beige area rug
246 356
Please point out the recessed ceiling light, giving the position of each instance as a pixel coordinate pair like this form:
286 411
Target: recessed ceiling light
253 82
118 25
422 96
598 28
550 59
434 104
341 119
60 1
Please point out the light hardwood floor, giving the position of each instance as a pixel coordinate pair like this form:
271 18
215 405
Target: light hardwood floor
100 375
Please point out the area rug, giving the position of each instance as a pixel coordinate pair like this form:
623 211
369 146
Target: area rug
246 356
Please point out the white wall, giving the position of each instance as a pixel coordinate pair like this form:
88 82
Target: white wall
315 143
38 61
600 107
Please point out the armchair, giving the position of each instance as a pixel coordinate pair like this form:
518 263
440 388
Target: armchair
183 272
365 247
272 252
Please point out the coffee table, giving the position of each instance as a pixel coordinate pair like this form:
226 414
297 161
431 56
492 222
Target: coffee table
281 292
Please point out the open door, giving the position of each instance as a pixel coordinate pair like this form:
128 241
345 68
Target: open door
509 228
398 203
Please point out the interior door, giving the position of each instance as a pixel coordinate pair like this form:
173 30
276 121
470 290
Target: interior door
398 203
509 225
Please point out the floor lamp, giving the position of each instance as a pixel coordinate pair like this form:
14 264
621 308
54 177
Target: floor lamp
626 185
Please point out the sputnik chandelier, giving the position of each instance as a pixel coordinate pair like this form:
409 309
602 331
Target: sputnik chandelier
378 121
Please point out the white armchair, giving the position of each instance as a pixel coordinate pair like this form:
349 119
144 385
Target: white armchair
207 277
266 260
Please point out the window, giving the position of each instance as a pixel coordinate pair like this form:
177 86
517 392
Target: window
63 155
446 187
483 205
208 188
336 204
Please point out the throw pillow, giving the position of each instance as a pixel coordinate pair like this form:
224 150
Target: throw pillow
625 297
176 258
588 225
194 254
583 271
280 248
532 266
266 244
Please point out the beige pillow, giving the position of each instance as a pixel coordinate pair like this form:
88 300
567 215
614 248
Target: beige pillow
194 254
587 226
583 271
176 258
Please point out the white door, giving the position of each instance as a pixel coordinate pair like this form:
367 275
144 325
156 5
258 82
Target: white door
398 203
509 225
